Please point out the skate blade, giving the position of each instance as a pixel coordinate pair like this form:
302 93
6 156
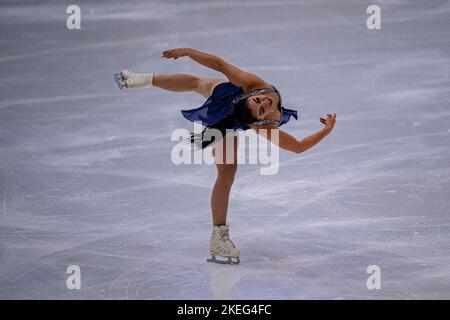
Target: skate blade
119 80
228 261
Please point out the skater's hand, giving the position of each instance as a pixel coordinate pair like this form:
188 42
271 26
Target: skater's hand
175 53
329 121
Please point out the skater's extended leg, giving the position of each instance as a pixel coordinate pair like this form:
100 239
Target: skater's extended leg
176 82
225 177
172 82
186 82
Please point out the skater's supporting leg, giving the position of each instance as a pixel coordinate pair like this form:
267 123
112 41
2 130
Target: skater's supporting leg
225 178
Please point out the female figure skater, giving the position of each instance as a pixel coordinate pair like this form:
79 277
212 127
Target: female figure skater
242 101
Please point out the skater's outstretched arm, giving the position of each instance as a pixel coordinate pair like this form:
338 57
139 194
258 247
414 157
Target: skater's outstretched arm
237 76
290 143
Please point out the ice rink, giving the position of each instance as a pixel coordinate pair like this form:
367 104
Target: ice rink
86 176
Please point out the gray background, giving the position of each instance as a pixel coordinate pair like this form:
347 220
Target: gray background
86 176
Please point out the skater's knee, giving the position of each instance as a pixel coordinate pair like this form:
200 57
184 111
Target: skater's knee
195 82
192 82
227 172
226 180
205 86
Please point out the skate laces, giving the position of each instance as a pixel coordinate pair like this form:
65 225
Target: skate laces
226 238
224 233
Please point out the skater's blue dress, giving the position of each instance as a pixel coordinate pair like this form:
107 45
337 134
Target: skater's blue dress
221 105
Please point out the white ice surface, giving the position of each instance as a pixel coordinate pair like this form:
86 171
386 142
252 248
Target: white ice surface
86 176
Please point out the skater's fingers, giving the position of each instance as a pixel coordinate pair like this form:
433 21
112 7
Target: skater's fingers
168 53
171 52
175 54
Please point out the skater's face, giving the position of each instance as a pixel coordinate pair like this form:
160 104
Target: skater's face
262 105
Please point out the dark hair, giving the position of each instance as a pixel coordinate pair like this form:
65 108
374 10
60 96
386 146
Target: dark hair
242 114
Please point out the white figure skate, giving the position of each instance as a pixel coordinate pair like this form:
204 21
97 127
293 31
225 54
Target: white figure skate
129 79
221 245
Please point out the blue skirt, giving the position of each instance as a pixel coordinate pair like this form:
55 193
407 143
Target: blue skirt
218 107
